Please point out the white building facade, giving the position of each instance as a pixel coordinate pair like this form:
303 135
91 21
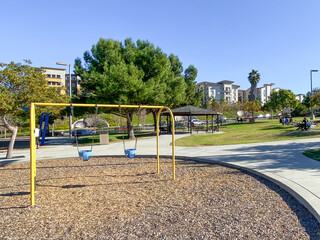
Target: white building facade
223 90
262 93
300 97
55 77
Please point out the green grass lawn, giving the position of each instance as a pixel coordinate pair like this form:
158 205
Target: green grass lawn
260 131
314 154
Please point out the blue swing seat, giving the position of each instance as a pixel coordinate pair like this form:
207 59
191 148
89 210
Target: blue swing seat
85 154
130 153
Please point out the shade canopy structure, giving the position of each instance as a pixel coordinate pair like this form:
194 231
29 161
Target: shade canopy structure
193 111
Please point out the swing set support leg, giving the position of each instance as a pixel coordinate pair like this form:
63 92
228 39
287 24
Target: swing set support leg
32 155
173 143
158 158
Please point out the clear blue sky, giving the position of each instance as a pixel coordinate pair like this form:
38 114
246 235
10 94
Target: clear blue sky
223 39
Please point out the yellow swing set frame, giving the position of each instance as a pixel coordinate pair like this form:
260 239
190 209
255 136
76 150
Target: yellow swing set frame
33 167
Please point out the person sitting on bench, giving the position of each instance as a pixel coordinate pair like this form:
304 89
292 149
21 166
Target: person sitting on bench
303 125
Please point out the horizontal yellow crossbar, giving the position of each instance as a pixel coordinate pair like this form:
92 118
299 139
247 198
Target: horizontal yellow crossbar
99 105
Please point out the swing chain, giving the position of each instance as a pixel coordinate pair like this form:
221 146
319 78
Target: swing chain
75 132
139 114
121 127
94 129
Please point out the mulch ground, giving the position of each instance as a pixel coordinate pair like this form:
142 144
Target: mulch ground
117 198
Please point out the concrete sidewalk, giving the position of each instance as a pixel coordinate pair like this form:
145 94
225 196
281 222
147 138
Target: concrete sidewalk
282 162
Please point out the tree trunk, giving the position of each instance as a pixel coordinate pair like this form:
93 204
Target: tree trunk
252 119
129 116
13 130
253 92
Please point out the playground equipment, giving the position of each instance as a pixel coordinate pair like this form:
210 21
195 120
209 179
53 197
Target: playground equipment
33 140
44 130
241 113
85 154
130 152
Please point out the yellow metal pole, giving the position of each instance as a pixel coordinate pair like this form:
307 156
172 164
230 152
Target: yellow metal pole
173 145
32 154
158 157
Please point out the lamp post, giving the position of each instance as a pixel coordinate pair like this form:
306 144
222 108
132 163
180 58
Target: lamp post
70 117
312 117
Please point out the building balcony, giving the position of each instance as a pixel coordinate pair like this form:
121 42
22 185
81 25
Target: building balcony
58 80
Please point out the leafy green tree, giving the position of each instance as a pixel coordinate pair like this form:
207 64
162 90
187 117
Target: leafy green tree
283 99
312 101
192 97
130 73
223 106
252 106
254 78
267 108
21 84
306 100
176 65
300 110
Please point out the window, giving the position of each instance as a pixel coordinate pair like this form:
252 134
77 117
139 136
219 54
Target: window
53 75
68 78
49 75
58 76
73 84
73 78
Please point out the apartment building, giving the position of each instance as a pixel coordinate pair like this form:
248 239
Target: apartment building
55 77
262 93
75 83
223 90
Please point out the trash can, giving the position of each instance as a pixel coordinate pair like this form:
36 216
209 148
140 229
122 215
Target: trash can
104 138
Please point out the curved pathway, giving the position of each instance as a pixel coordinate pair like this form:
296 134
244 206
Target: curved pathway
282 162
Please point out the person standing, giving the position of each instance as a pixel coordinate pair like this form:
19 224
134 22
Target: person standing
37 135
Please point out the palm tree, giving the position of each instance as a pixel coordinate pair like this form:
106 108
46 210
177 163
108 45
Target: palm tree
254 78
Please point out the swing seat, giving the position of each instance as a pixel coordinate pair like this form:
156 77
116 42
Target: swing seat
130 153
85 154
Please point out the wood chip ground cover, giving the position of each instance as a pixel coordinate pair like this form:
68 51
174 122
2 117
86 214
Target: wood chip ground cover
117 198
